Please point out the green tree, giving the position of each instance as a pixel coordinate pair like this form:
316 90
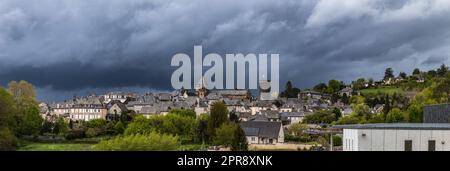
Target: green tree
345 99
415 112
432 73
322 88
61 127
376 118
183 112
7 109
202 128
416 71
8 141
348 120
440 91
359 84
96 123
443 70
334 86
147 142
225 134
140 125
357 100
403 75
297 129
387 105
23 94
361 110
240 140
290 91
31 122
218 116
337 113
389 73
27 118
119 127
371 82
395 116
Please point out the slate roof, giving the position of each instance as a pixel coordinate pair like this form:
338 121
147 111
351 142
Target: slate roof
233 92
263 103
264 129
270 114
165 97
165 106
120 105
346 90
292 114
251 131
90 100
213 96
232 102
181 104
150 110
258 117
244 114
147 99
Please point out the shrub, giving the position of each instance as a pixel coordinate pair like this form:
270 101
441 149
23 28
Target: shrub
7 140
140 125
292 138
225 134
183 112
92 132
75 134
148 142
97 123
337 140
119 127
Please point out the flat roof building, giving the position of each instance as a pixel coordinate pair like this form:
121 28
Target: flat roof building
396 137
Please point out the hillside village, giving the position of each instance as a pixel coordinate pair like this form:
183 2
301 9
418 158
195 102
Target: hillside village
391 99
329 116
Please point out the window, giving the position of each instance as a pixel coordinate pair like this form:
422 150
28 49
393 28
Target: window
408 145
431 145
253 138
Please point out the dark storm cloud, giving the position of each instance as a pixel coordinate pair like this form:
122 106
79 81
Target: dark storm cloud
79 45
435 60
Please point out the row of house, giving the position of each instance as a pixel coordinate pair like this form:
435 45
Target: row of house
260 116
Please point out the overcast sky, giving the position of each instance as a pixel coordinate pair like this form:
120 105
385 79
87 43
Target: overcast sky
92 46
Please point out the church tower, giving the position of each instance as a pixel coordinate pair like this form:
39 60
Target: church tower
200 88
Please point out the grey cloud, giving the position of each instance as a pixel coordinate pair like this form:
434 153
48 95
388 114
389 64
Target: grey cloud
435 60
73 46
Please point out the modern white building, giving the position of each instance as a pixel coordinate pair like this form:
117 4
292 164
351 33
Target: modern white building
396 137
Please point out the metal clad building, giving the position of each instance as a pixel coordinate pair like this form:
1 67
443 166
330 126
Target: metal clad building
396 137
436 113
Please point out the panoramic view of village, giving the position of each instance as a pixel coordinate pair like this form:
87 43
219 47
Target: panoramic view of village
401 112
192 76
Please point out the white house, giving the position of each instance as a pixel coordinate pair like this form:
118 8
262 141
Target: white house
396 137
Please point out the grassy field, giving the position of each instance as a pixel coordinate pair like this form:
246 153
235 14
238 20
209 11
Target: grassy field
382 90
38 146
56 147
280 147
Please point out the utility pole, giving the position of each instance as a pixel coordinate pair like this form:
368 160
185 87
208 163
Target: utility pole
331 141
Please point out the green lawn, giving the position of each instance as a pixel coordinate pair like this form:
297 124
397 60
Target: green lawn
382 90
56 147
34 146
